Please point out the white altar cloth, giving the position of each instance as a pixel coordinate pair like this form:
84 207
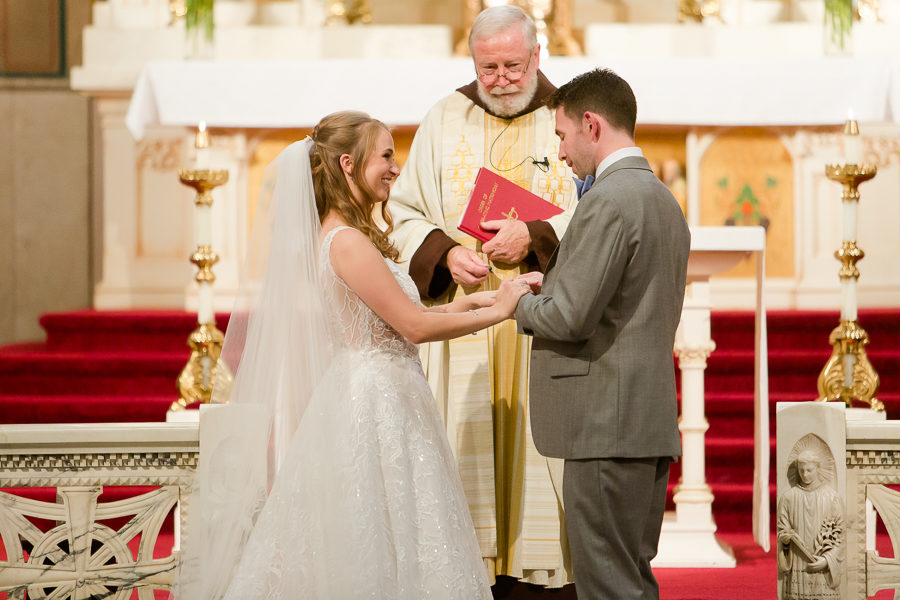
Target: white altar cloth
685 91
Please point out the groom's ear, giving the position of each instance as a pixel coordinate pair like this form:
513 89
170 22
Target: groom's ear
346 163
592 124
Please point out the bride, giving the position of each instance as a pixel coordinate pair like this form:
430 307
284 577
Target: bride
367 500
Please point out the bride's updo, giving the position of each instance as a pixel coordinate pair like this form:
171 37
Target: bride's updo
353 133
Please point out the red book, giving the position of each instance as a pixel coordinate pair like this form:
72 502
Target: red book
494 197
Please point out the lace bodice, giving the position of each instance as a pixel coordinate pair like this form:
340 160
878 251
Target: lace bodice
352 323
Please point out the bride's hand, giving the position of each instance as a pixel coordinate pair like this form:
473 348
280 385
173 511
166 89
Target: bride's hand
481 299
508 295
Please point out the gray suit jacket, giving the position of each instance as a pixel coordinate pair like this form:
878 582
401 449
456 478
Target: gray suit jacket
602 370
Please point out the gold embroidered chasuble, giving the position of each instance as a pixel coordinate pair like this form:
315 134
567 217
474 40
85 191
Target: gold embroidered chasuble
480 381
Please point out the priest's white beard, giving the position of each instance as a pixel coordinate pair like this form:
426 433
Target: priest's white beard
505 102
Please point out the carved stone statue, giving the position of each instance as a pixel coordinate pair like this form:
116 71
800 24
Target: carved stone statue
810 527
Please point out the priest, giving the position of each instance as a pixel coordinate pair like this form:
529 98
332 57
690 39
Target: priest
498 121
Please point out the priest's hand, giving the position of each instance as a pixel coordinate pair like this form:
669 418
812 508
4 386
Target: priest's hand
511 243
465 266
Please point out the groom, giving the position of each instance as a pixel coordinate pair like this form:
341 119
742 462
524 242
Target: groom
602 373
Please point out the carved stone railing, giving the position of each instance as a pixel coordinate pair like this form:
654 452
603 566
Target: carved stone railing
873 468
76 545
867 481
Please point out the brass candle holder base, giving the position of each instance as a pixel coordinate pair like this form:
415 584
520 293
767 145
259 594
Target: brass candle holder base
196 380
849 340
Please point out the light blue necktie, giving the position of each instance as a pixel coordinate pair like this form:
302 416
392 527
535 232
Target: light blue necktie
583 185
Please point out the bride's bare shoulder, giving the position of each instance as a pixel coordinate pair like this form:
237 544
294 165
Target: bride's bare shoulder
351 248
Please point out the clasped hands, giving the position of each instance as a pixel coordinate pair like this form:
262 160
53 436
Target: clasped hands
505 298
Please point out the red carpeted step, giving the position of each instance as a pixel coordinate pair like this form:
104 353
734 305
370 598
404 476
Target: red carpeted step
144 330
38 371
802 329
84 408
790 370
728 460
732 504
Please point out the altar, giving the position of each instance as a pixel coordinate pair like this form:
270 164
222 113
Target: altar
691 111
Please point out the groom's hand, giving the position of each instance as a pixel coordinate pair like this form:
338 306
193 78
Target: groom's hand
511 243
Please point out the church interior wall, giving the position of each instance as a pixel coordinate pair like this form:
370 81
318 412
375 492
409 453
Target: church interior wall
45 167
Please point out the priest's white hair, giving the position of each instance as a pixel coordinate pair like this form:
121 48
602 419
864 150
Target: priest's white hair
495 19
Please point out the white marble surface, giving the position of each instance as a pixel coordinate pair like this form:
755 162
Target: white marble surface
715 250
707 91
96 437
688 534
751 40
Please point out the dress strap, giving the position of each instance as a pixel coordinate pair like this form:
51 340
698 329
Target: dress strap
330 235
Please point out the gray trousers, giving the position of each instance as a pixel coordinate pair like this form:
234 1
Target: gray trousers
614 512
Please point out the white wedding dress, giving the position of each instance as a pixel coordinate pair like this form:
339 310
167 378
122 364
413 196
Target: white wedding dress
368 502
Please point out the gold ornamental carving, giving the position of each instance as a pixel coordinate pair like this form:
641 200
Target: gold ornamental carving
698 10
203 181
694 355
196 380
552 18
348 11
849 341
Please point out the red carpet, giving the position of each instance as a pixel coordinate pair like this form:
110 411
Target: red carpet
102 366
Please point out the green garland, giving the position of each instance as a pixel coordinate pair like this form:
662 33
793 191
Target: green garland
199 13
839 17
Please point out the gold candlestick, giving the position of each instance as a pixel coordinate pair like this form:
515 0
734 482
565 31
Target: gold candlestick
848 375
196 379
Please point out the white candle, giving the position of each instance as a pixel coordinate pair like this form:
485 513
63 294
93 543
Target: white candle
852 141
848 299
201 143
848 220
849 361
203 224
205 312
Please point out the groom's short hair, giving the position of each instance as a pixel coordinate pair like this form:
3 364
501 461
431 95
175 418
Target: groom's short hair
599 91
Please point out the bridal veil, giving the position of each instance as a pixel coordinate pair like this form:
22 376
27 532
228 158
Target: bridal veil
277 346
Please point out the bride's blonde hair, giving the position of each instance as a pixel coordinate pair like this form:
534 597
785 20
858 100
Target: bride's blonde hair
353 133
